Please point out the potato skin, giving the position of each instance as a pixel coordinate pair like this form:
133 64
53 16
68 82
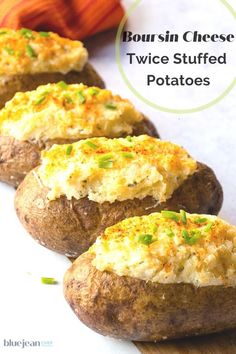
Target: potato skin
133 309
28 82
17 158
70 227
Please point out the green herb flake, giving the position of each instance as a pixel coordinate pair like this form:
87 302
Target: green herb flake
62 84
208 227
30 51
68 99
169 233
129 138
69 149
200 220
91 145
191 237
128 155
92 91
44 34
170 215
183 217
27 33
3 32
9 50
145 239
155 228
50 281
105 161
41 98
81 97
111 106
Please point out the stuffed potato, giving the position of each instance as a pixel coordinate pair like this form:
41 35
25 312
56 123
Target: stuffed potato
60 113
82 188
29 59
162 276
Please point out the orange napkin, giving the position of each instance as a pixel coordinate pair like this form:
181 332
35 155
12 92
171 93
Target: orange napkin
75 19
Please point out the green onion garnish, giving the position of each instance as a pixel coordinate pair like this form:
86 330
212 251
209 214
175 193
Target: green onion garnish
68 99
62 84
93 91
128 155
50 281
30 51
40 100
155 228
208 227
169 233
111 106
3 32
81 97
9 51
105 161
170 215
44 34
69 149
192 237
200 220
27 33
146 239
91 145
183 217
129 138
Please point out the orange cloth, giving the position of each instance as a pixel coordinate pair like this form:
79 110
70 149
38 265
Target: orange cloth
75 19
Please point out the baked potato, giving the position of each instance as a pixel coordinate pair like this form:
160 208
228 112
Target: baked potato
29 59
60 113
157 277
67 202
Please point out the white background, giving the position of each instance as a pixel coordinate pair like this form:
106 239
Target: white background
34 311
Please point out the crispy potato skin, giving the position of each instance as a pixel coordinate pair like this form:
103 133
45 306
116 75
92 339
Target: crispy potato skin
28 82
133 309
17 158
70 227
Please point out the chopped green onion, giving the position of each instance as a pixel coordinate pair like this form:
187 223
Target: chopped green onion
3 32
50 281
200 220
183 216
208 227
40 100
169 233
62 84
91 145
9 51
81 97
68 99
128 155
111 106
105 161
93 91
44 34
69 149
155 228
192 237
27 33
170 215
30 51
146 239
129 138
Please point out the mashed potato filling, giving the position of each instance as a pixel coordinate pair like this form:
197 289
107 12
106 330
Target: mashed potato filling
61 111
170 248
29 52
115 169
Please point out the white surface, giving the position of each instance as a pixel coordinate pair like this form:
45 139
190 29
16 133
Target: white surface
32 311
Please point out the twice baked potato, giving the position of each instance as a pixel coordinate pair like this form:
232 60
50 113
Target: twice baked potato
29 59
157 277
81 189
60 113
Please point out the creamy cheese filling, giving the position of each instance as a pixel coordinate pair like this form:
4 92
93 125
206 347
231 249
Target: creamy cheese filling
115 169
170 248
29 52
61 111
